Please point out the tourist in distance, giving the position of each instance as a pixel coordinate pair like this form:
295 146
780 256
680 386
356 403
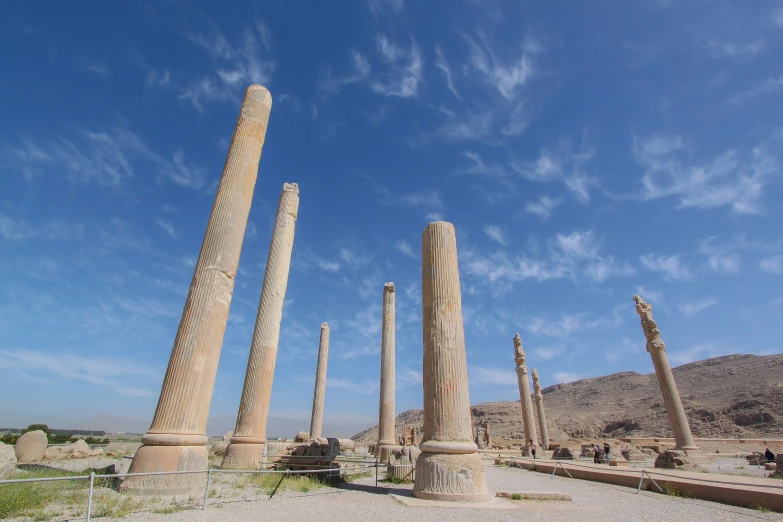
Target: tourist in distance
595 454
607 449
532 448
770 456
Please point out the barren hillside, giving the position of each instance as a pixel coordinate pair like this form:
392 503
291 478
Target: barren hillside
731 396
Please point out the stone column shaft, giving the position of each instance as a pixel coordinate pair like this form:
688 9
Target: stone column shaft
317 418
540 409
176 439
449 467
528 419
249 436
671 397
386 434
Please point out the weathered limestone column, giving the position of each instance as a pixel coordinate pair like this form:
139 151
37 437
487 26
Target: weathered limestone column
528 420
243 451
386 438
176 440
317 418
671 397
540 408
449 467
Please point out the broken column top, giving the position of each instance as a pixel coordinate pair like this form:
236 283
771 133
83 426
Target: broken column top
649 326
388 287
291 187
257 104
519 352
535 377
324 326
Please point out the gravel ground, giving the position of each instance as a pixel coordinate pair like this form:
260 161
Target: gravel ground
362 501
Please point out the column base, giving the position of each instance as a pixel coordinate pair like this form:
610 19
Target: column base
385 451
697 455
451 477
242 456
167 458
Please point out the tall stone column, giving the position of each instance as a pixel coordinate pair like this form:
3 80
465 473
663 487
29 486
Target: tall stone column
540 408
449 467
176 440
243 451
528 421
386 432
671 397
317 418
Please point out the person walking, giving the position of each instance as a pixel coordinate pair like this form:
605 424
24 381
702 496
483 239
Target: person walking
595 454
533 448
607 449
770 456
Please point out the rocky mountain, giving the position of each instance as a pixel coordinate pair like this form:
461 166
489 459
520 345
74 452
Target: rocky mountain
733 396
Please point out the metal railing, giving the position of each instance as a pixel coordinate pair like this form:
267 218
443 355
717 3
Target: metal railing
366 465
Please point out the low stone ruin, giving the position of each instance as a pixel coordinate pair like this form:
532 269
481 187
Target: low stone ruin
75 450
7 460
674 459
778 467
31 446
402 464
562 453
219 448
302 436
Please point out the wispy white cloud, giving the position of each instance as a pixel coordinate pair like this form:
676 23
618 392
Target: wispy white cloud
442 64
507 77
97 370
652 296
672 267
331 84
234 65
690 309
716 49
379 6
563 377
734 178
167 226
562 165
404 68
494 376
403 247
496 234
19 230
574 256
98 69
109 157
543 208
365 387
767 86
773 265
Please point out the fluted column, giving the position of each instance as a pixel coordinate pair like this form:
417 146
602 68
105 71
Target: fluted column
176 439
671 397
243 451
528 420
540 409
317 418
449 467
386 432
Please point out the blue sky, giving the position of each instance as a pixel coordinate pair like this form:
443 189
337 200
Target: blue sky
585 152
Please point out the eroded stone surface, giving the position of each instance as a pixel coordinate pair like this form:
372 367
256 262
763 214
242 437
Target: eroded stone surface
542 427
386 408
317 417
449 467
176 439
7 460
250 429
31 446
671 397
528 419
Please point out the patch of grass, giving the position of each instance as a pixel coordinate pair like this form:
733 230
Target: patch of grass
516 496
675 492
172 508
31 498
114 505
353 477
303 483
395 480
762 508
740 467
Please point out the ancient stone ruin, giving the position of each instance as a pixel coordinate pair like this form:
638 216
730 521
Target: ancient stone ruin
449 467
247 443
528 420
176 440
540 409
317 418
671 397
31 446
386 443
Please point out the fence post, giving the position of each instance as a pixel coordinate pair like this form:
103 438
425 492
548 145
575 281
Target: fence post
376 473
641 479
206 491
89 496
